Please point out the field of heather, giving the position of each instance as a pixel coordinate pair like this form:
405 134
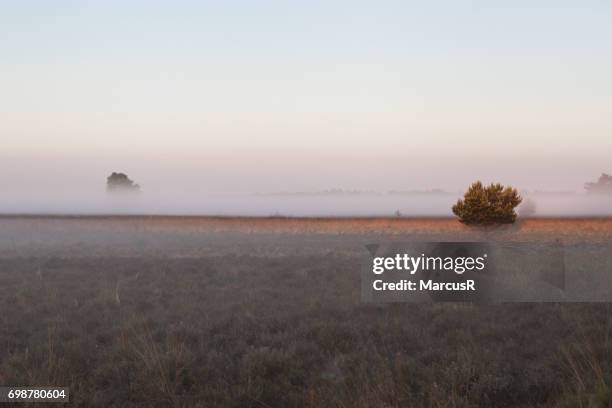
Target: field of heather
267 312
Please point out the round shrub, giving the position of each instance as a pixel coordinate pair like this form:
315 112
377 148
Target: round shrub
493 204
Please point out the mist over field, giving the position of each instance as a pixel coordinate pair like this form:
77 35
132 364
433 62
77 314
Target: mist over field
287 185
192 195
337 204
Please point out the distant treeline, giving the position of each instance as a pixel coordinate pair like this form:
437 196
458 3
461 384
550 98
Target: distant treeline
341 192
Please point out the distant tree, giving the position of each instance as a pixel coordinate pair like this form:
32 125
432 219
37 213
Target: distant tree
120 182
603 185
493 204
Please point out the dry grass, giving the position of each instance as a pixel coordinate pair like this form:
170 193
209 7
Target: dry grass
268 319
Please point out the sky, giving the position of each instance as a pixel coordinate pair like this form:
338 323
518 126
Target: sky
263 96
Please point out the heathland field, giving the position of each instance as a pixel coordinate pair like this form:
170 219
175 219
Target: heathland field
267 312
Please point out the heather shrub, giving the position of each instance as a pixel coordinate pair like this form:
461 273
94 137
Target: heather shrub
485 205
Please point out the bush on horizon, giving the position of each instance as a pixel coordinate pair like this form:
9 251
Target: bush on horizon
487 205
120 182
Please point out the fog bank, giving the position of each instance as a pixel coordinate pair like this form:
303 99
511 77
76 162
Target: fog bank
414 204
243 184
